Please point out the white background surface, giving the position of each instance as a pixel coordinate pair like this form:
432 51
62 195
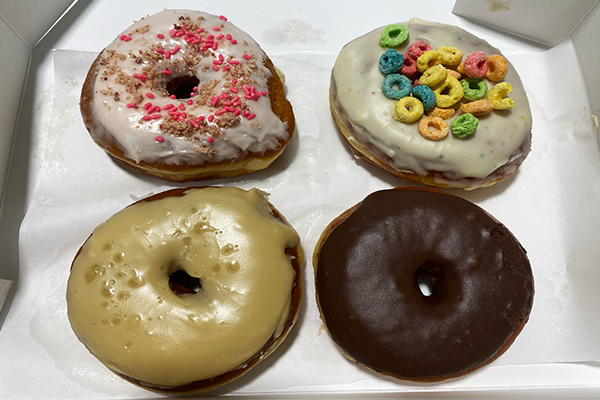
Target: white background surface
70 186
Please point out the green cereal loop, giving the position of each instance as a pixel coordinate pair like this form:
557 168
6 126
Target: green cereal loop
474 88
393 35
464 125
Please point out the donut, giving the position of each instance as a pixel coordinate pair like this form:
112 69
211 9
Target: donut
372 260
184 96
364 116
187 289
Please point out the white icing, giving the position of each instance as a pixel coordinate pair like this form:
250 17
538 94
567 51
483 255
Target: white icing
137 137
501 139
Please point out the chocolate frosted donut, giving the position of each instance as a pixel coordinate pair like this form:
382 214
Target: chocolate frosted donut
368 264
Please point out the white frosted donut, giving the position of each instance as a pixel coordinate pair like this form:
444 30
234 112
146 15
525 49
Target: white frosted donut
130 306
184 95
365 117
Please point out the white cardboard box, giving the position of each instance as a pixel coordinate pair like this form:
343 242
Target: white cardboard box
39 356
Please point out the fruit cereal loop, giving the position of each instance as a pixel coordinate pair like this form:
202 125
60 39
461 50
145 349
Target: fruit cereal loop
409 67
404 86
443 113
416 49
393 35
425 95
461 68
451 56
441 128
408 109
465 125
497 68
429 59
434 76
390 61
454 92
478 108
475 89
454 73
475 65
497 95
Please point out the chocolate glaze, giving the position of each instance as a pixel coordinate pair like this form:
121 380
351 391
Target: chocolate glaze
367 290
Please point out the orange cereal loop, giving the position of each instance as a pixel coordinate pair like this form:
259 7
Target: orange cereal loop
454 73
443 113
461 68
478 108
497 68
440 126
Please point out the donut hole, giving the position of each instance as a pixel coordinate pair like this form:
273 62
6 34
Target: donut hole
182 283
182 87
427 276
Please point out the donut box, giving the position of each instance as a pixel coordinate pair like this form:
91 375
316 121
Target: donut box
59 185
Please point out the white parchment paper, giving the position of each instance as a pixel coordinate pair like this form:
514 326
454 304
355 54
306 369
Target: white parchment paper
550 205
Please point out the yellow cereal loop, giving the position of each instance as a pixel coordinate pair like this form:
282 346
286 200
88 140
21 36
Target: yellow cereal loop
443 113
478 108
497 95
433 76
408 109
448 93
450 55
427 60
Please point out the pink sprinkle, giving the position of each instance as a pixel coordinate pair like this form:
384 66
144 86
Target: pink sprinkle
216 68
209 139
237 103
183 115
160 36
149 95
210 36
234 80
122 37
247 96
237 112
220 111
226 68
216 28
160 51
217 62
156 109
141 77
223 17
168 106
181 107
246 56
251 116
195 88
194 123
196 41
200 118
263 92
235 62
173 32
228 37
146 118
200 30
211 118
246 113
190 102
166 72
168 54
130 105
192 94
246 89
172 97
159 139
184 29
221 36
214 101
155 116
221 57
175 50
127 39
230 109
233 41
215 45
174 113
180 33
233 89
147 105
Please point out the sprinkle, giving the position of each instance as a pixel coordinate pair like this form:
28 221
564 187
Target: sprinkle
173 32
216 68
247 96
223 17
246 56
156 109
233 41
226 68
200 30
160 51
234 80
192 94
194 123
166 72
122 37
210 139
180 33
237 103
181 107
217 62
168 106
146 118
221 36
235 62
220 111
159 139
215 45
130 105
147 105
149 95
160 36
168 54
125 38
228 36
233 89
230 109
200 118
141 77
175 50
210 36
155 116
172 97
237 112
214 101
250 116
211 118
246 113
236 98
216 28
190 102
195 88
263 92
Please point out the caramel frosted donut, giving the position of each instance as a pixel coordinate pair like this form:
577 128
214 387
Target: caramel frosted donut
184 95
187 290
365 117
368 265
